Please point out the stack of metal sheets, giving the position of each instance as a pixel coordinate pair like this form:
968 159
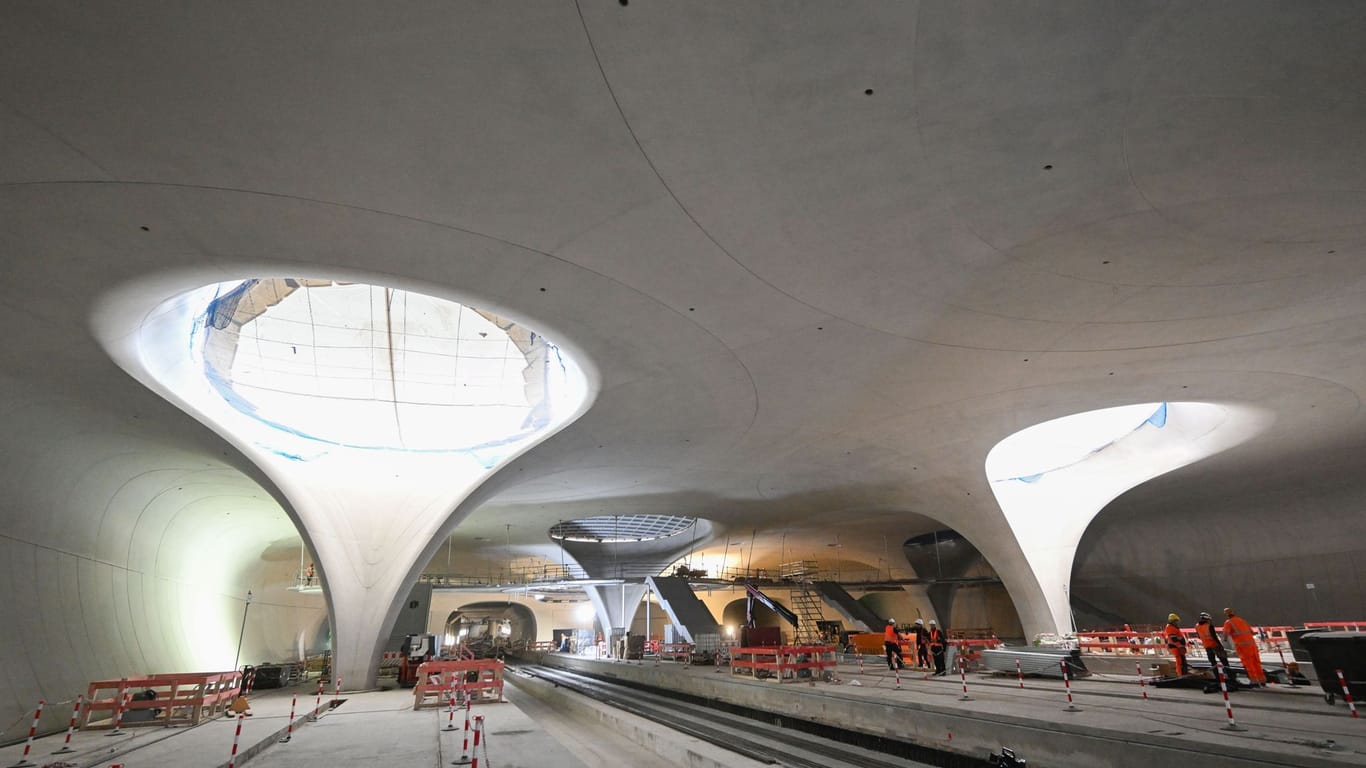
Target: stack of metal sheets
1035 661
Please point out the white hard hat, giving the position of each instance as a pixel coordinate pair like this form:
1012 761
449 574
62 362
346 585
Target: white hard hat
891 621
921 622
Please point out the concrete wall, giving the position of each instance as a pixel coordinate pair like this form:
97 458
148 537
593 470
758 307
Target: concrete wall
128 549
1245 539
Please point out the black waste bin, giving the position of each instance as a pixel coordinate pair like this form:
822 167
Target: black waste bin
1333 651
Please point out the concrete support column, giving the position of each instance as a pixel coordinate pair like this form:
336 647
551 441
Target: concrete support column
616 605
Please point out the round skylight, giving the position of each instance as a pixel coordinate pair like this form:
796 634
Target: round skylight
608 529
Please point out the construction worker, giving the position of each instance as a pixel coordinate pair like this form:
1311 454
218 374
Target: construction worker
1214 650
934 638
1245 643
922 644
1176 643
892 643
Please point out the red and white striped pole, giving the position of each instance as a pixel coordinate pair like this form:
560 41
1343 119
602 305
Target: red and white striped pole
251 681
1142 685
71 727
32 730
860 662
118 715
897 672
289 731
232 759
1228 707
1067 683
318 705
1019 673
1342 681
464 758
478 731
963 673
450 706
337 696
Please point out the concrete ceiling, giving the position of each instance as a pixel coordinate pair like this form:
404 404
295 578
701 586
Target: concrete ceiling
823 256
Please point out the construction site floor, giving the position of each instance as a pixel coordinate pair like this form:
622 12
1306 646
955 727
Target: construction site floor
1112 726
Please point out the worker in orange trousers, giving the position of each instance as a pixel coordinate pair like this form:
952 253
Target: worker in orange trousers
1245 643
1176 642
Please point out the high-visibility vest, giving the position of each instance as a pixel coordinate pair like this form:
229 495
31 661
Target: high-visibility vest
889 634
1176 642
1205 630
936 640
1239 631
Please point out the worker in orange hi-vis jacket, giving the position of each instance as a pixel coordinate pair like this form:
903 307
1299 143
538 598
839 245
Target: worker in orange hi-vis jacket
1176 642
1245 643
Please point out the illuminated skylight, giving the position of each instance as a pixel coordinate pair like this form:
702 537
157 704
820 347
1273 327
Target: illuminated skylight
607 529
363 366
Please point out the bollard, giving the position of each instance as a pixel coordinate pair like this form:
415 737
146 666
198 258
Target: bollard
318 705
289 731
963 673
450 706
1142 686
1342 681
464 758
1067 683
336 699
860 662
1019 673
897 671
251 682
118 715
478 731
232 758
1228 707
71 727
32 730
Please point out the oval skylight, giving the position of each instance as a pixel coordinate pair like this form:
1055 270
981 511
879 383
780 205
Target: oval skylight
608 529
371 367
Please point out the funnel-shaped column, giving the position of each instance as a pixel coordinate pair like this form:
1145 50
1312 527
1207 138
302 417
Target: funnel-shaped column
1052 479
615 605
375 412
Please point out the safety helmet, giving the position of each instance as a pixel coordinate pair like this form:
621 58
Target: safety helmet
891 621
1204 615
921 622
931 622
1173 617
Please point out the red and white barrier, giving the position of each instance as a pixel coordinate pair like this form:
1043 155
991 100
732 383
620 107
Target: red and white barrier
860 662
1142 685
118 715
478 731
232 758
1342 681
251 682
337 695
32 731
289 730
1067 684
1228 706
1019 673
897 672
464 758
963 673
318 705
450 708
71 727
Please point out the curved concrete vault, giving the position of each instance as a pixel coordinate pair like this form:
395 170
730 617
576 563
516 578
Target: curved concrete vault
824 257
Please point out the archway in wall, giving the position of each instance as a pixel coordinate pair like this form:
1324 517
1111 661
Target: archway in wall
489 627
733 615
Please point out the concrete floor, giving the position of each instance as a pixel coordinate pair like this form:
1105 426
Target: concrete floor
1284 726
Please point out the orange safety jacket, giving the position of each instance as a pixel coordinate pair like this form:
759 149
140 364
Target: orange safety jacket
1205 630
889 634
1239 631
1176 642
935 639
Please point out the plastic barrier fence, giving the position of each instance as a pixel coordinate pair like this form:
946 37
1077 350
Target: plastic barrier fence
181 699
478 679
783 662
